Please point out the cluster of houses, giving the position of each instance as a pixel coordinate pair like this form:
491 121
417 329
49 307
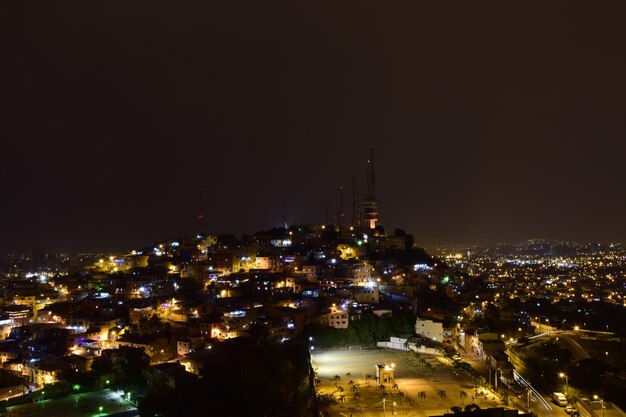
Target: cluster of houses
175 300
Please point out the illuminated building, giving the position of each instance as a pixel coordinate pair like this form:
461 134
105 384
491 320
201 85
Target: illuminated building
336 318
385 373
429 329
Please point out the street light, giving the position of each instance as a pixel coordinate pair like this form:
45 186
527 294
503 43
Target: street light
562 375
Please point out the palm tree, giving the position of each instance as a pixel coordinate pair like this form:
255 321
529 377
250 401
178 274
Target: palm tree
422 396
355 388
463 396
337 378
348 374
442 395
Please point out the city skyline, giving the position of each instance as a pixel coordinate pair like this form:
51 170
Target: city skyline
313 209
485 130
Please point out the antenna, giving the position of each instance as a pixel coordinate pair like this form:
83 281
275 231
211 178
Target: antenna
373 183
368 178
340 213
200 214
354 213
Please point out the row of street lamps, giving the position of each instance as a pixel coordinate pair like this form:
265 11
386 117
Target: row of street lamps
595 397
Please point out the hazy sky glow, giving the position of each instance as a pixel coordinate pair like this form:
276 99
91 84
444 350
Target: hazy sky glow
490 122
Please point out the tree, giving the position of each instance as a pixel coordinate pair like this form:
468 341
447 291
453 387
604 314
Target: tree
131 370
471 407
102 366
442 395
422 395
463 396
456 409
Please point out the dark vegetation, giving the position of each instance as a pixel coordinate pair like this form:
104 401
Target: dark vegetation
365 331
242 379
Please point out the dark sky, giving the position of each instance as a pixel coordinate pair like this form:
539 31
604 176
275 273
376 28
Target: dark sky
491 121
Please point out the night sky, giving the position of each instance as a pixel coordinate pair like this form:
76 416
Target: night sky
490 121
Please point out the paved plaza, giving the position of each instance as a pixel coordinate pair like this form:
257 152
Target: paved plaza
425 386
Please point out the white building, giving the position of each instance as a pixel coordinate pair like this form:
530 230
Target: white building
336 318
429 329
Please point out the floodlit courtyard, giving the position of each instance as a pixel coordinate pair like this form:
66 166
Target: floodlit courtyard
423 385
96 403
